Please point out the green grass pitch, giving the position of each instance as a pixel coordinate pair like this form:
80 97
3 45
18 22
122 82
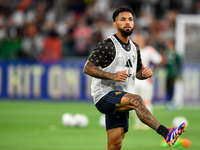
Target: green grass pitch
36 125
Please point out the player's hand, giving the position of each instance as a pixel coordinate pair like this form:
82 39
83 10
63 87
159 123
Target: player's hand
147 72
120 76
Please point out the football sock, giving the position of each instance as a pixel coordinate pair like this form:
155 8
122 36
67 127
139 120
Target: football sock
162 130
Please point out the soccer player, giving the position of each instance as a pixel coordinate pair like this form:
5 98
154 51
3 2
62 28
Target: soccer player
150 58
114 64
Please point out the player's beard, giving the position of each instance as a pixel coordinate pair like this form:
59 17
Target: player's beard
124 32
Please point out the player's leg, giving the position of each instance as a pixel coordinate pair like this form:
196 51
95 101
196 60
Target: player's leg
145 90
116 122
132 101
137 123
115 137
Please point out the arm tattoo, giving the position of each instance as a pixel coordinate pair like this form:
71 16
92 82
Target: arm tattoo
94 71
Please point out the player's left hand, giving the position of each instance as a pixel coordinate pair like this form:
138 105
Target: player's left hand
147 72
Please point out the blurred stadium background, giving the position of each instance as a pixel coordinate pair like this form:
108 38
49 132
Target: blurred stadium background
43 47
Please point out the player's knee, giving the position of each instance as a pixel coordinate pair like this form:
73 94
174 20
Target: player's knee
116 145
136 100
119 145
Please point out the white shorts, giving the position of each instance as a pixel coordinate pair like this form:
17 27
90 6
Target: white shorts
144 88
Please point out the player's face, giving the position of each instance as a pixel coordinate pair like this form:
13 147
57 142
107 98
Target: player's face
124 23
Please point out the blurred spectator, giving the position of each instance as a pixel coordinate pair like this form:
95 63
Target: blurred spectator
145 88
31 43
68 42
196 6
173 67
52 46
11 45
82 36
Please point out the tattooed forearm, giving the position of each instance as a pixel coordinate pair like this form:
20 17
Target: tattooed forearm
94 71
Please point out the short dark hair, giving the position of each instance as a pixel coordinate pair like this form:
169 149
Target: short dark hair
121 9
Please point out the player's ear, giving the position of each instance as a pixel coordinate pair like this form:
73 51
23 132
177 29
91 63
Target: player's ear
115 24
